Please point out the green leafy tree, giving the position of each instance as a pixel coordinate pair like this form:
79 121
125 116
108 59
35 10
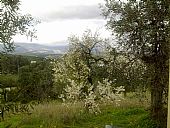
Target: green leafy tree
8 80
35 81
10 64
126 70
142 28
12 23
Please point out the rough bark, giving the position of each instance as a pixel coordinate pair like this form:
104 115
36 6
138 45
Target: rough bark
157 87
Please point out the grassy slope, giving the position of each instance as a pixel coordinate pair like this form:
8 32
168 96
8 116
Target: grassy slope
54 115
124 118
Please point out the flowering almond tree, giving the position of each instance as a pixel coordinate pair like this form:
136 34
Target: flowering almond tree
75 70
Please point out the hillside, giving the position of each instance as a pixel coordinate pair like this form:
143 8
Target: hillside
34 49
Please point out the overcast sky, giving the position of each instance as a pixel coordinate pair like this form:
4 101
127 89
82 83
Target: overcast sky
62 18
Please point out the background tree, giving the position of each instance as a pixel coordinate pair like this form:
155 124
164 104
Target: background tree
126 70
142 28
35 81
10 64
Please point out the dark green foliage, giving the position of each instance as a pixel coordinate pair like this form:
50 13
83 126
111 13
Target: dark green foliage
29 81
8 80
22 81
35 81
10 64
142 28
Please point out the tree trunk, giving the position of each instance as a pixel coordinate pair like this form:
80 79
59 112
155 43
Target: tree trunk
156 102
157 86
168 117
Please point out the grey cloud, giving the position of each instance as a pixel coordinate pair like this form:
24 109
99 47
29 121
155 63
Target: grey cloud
75 12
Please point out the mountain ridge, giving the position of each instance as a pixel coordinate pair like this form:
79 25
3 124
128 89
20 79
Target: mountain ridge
37 49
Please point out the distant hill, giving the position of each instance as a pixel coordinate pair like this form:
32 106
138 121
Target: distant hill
38 49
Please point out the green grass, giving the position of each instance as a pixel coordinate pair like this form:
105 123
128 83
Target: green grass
124 118
56 115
